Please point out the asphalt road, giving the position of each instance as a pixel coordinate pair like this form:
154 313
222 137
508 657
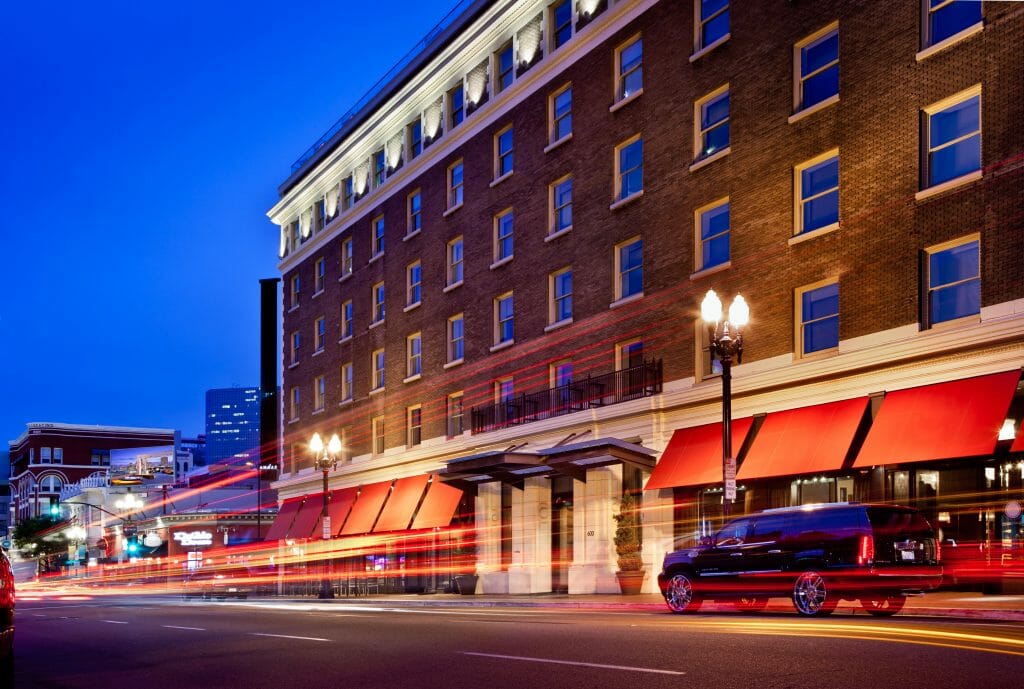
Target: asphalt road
154 643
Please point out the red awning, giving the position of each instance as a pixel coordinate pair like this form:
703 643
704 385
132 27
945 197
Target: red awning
340 502
803 441
364 512
307 517
283 520
438 506
694 455
960 418
401 504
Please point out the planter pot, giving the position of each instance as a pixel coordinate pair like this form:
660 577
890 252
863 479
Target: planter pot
466 584
631 581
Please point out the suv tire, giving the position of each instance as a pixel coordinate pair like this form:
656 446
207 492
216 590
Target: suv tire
679 594
811 596
883 605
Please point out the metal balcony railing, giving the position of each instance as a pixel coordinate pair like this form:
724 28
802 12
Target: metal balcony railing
642 380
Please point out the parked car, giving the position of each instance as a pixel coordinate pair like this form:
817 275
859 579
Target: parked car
814 554
6 621
233 582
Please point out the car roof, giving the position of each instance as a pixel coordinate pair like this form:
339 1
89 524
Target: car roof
823 506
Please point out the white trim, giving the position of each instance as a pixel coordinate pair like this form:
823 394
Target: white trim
449 288
810 110
346 276
374 324
626 201
560 324
377 391
704 272
708 48
345 339
453 208
711 158
498 180
947 185
375 257
556 235
316 294
946 42
412 378
501 262
503 345
623 103
453 364
411 235
626 300
555 144
410 307
804 236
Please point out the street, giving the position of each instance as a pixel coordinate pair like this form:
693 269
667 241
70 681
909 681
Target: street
164 642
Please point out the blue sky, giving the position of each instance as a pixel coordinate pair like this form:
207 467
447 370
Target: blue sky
144 144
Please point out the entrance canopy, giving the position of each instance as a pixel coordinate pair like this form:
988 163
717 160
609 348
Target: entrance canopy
694 455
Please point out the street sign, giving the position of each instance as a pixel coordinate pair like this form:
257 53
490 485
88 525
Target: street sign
730 478
327 527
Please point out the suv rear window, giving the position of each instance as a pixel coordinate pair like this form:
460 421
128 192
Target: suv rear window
897 521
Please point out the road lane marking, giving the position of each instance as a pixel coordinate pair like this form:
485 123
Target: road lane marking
601 666
191 629
286 636
113 621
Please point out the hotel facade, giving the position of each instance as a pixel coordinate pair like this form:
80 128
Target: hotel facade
493 266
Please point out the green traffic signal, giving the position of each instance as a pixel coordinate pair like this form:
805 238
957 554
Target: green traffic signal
54 509
132 545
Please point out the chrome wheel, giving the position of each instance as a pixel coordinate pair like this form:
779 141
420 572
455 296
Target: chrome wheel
883 606
679 595
811 596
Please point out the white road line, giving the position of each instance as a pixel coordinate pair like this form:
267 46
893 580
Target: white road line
191 629
113 621
602 666
286 636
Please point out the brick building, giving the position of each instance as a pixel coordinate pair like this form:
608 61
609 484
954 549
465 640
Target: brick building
493 267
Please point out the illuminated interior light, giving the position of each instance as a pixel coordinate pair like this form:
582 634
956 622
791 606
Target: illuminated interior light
393 150
587 7
529 41
306 222
432 118
284 241
1007 432
360 176
475 83
331 201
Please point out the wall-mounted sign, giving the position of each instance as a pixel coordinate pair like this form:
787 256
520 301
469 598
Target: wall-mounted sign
193 538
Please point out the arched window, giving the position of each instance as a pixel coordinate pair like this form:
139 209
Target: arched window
50 484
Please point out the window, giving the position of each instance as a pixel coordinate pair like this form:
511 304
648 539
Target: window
629 354
346 382
711 116
319 333
58 455
379 168
817 318
560 22
321 215
414 135
456 106
45 455
712 23
378 302
712 234
455 185
347 193
708 365
560 195
456 335
319 392
504 389
413 355
296 283
503 224
414 221
816 67
455 258
377 430
629 75
504 330
455 415
346 320
954 280
946 18
560 373
560 296
346 257
413 283
503 153
952 135
629 170
629 269
560 114
320 273
296 341
378 236
504 68
816 185
414 425
294 410
377 361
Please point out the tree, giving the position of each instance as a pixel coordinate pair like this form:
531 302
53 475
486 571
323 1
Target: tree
39 535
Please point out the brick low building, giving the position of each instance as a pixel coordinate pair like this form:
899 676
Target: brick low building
493 269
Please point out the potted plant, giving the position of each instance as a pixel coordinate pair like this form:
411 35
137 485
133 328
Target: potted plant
627 547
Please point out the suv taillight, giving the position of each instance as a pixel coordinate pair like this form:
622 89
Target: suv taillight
866 551
938 551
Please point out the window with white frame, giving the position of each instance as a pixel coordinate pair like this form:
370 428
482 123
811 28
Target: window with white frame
629 268
346 257
413 283
503 142
413 355
560 205
629 354
296 283
45 455
504 323
952 136
377 228
453 274
504 68
629 75
414 138
456 106
348 194
455 185
347 382
294 408
712 224
320 271
560 114
377 364
712 23
413 425
708 365
456 338
377 431
455 414
377 294
711 123
944 19
58 455
346 319
816 190
560 296
504 389
816 68
953 287
560 373
319 393
319 334
629 168
296 342
414 222
321 215
817 318
503 227
380 167
560 23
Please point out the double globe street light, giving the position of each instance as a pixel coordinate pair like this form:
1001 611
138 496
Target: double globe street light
325 459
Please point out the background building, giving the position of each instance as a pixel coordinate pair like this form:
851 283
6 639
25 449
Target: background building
5 492
493 265
232 425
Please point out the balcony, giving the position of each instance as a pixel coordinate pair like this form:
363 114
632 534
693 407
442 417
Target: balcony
642 380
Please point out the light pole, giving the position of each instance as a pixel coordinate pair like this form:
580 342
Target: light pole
725 342
129 505
325 459
76 535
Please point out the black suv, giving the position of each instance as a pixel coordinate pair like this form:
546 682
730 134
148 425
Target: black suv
815 554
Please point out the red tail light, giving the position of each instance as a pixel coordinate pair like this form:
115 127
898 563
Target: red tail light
866 552
938 551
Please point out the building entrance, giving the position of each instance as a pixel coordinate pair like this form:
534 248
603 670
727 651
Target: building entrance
561 533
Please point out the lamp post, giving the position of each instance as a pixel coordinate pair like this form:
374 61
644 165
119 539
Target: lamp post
726 342
76 535
129 505
325 459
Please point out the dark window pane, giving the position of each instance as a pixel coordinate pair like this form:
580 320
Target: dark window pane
716 28
821 86
821 211
820 53
955 160
954 122
709 7
953 265
821 302
716 139
956 301
953 18
714 221
716 251
821 335
715 111
820 177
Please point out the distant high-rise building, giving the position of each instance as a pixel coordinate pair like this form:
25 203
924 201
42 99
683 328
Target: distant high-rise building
232 424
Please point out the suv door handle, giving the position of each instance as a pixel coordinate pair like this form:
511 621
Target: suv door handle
774 552
735 554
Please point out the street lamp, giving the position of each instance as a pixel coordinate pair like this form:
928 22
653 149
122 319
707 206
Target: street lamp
726 342
325 459
129 505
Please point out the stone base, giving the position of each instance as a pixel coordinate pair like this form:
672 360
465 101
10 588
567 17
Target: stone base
493 582
592 579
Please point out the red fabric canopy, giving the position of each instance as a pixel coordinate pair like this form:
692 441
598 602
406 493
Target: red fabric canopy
404 499
438 506
694 455
283 520
307 517
364 512
340 502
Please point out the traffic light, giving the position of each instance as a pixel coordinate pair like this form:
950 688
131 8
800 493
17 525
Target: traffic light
132 545
55 511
